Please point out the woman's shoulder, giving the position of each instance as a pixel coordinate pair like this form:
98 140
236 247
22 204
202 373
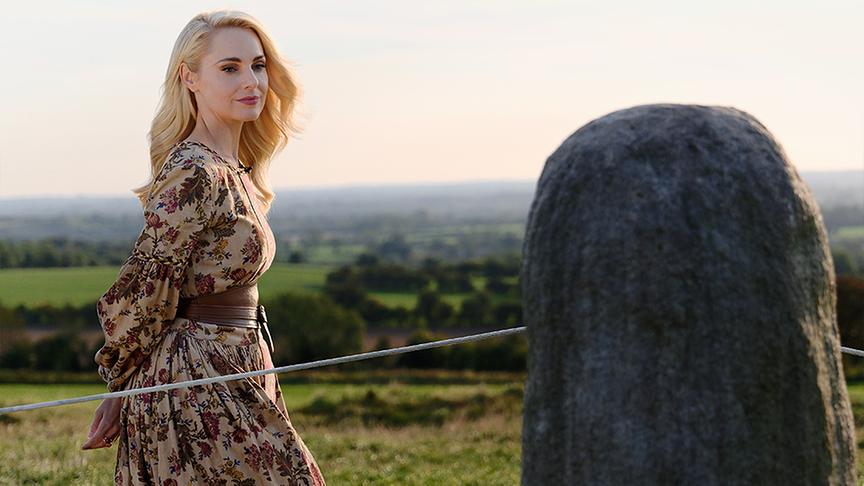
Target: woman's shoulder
189 152
185 168
190 157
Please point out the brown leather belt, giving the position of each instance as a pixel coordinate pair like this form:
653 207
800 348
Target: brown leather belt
227 315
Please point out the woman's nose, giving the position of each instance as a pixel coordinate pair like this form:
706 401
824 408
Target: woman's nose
251 79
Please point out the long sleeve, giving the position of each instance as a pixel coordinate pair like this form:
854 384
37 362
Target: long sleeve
143 300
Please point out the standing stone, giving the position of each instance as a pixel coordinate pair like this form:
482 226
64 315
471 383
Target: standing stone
680 301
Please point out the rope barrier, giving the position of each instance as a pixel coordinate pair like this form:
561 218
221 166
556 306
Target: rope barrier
300 366
852 351
294 367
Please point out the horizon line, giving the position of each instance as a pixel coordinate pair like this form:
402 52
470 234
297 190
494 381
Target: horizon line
365 185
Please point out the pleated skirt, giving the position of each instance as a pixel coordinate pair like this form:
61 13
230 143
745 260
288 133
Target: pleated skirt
234 432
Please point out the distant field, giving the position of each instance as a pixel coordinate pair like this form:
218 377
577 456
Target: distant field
328 255
849 233
83 285
453 231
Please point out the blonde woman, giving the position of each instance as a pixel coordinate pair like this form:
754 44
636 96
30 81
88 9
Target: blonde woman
185 303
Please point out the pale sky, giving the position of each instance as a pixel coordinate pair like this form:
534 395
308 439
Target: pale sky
408 91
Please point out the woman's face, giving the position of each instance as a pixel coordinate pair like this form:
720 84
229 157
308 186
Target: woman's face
234 68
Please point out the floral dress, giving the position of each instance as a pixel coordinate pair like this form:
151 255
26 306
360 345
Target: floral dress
204 233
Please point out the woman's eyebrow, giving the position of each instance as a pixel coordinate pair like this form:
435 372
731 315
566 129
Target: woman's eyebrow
237 59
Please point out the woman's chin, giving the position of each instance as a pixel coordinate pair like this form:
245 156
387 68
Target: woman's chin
247 117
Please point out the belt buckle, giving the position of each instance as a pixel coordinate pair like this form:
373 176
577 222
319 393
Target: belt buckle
262 322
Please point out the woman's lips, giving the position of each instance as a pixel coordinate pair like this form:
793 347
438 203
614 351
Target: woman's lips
248 101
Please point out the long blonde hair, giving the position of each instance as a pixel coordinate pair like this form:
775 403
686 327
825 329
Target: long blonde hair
177 113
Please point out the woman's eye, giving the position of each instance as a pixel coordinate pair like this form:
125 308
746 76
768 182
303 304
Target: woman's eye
262 66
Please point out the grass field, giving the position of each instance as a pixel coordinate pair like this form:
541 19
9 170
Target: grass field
83 285
455 433
387 434
849 233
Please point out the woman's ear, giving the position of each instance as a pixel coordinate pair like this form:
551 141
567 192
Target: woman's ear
188 77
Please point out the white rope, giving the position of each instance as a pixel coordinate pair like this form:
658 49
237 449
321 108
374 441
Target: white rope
853 351
294 367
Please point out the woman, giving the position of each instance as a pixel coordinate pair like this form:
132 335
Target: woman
185 303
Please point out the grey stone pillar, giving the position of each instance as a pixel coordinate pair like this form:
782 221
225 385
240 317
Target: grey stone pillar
680 301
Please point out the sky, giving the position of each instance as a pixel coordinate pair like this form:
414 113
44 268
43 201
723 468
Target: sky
428 92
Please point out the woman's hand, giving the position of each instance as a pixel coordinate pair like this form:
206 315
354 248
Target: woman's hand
106 424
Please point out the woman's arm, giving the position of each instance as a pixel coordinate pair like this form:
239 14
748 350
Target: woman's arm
144 297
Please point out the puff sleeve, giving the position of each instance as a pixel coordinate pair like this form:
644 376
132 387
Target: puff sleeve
143 299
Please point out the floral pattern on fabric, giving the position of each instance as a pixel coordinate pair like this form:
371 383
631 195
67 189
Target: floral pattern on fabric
204 233
144 297
233 432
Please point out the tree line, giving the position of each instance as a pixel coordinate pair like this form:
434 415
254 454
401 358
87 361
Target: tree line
310 327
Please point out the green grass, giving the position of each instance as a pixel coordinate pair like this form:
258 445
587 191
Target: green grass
293 277
327 255
856 396
849 233
395 299
77 285
84 285
419 435
381 434
450 233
